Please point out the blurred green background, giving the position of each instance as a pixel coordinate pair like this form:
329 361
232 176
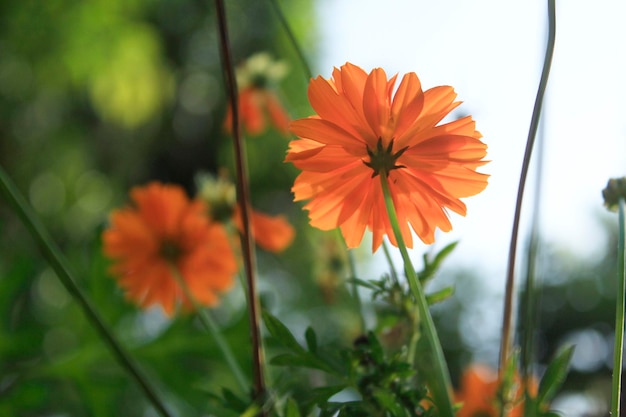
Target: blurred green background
100 96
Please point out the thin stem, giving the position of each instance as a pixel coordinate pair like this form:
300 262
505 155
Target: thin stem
392 269
355 288
507 320
243 199
212 328
60 265
619 315
440 383
531 292
292 38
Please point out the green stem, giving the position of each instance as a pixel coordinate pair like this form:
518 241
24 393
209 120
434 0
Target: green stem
440 383
532 291
392 269
292 38
60 265
353 276
212 328
507 317
619 315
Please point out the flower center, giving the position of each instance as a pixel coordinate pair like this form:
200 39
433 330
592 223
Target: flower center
383 160
170 251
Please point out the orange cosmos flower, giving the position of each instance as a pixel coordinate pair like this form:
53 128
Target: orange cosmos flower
164 229
272 233
256 101
478 392
364 129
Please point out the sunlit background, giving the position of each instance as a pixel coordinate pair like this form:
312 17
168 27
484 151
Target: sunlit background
492 53
97 97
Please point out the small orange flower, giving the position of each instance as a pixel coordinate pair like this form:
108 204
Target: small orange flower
478 392
256 101
272 233
362 130
166 229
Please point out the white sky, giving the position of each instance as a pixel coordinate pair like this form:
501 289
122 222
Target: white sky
492 52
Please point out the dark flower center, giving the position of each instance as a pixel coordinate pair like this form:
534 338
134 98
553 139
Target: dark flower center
383 160
259 81
170 251
221 211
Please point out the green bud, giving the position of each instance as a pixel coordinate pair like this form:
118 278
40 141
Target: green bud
615 189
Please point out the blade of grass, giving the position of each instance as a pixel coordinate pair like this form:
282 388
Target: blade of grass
507 320
60 265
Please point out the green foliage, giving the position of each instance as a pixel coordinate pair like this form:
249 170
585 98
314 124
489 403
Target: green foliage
385 384
552 381
96 97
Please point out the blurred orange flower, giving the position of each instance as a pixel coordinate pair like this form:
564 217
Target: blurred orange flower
164 229
478 392
257 101
272 233
363 129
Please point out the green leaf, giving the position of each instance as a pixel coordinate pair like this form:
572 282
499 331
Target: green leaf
431 266
292 409
304 360
281 333
554 376
311 339
367 284
321 395
388 401
233 402
440 295
443 254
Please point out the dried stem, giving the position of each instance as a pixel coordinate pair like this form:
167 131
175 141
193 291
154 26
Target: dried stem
243 200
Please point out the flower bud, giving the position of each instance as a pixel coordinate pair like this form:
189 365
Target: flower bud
615 189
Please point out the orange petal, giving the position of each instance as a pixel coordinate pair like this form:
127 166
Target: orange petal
376 105
277 113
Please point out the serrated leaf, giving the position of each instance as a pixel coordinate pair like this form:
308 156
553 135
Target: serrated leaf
440 295
311 339
388 402
554 376
431 266
281 333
